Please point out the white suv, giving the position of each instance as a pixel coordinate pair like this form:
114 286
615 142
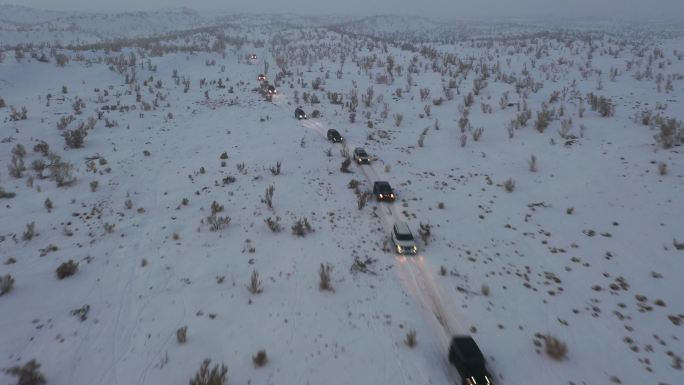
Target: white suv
403 239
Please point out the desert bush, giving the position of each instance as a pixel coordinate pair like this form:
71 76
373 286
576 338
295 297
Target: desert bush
464 139
60 171
662 168
671 132
27 374
477 133
398 118
182 334
42 148
411 339
543 118
67 269
217 223
16 115
93 185
268 196
324 273
533 163
273 224
75 138
16 167
344 167
254 286
484 289
64 121
260 359
6 284
301 227
509 185
19 150
81 312
425 232
214 376
566 126
555 348
601 104
30 231
275 170
362 199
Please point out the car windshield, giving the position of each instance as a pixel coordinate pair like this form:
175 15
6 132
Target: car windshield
383 187
404 236
361 152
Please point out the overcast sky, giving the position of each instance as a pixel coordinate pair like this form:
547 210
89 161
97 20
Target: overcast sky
458 9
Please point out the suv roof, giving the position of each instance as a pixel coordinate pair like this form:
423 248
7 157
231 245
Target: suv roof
402 228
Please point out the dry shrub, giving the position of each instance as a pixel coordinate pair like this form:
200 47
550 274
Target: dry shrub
182 334
411 339
75 138
662 168
485 290
324 275
67 269
27 374
477 133
301 227
509 185
205 376
30 231
345 164
6 284
16 168
273 224
254 286
533 163
555 348
260 359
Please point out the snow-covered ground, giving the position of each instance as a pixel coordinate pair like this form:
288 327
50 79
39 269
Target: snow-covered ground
584 248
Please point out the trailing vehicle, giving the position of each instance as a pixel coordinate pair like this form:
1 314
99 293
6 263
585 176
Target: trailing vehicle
271 90
403 239
253 56
466 356
334 136
262 78
300 114
360 156
383 191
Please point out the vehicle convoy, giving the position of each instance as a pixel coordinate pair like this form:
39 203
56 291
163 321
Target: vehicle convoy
403 239
469 361
300 114
383 191
334 136
360 156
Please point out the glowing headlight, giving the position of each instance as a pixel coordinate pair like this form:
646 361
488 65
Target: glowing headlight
380 195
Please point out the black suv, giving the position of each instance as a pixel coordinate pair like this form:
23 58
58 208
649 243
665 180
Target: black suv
469 361
361 156
383 191
300 114
334 136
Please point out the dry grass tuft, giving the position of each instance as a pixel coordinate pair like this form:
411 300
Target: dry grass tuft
260 359
182 334
27 374
67 269
205 376
411 339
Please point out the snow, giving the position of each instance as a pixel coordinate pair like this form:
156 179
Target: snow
537 261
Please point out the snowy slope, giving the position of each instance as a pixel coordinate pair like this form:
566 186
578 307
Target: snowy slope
602 277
